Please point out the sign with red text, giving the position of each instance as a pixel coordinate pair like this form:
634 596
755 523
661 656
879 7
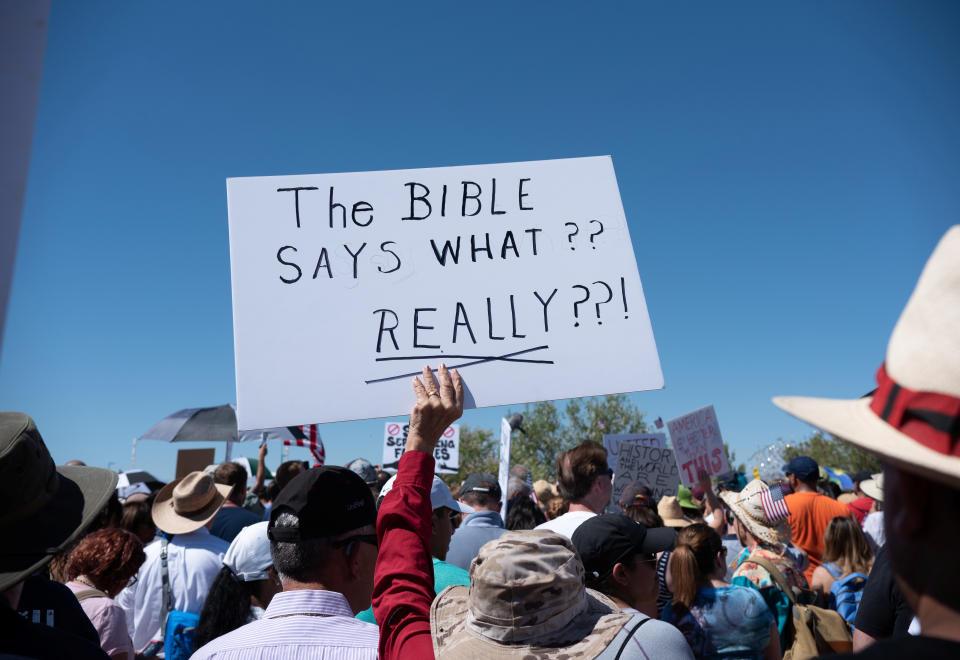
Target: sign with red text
653 465
446 454
612 443
698 445
520 275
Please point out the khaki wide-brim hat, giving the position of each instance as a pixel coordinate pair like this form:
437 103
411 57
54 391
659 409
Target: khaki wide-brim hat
747 506
526 599
669 510
188 504
914 410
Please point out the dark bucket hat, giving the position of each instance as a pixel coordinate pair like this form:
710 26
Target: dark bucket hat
45 506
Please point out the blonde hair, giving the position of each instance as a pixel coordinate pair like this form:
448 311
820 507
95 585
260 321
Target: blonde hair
692 561
845 544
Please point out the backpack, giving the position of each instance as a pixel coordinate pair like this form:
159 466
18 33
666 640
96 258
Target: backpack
845 592
179 627
812 631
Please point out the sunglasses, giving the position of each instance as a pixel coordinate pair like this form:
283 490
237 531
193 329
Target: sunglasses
361 538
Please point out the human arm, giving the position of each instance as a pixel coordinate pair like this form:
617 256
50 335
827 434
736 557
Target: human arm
712 504
861 640
261 469
772 651
403 578
821 583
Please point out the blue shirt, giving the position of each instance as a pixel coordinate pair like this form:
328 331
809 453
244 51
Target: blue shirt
299 625
444 575
475 530
230 520
724 622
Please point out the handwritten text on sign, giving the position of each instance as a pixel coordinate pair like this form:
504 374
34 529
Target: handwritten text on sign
613 442
654 466
698 445
522 275
446 454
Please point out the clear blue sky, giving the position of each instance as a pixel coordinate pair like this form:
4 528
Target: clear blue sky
785 170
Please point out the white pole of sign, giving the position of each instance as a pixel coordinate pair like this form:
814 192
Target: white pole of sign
504 476
229 452
133 455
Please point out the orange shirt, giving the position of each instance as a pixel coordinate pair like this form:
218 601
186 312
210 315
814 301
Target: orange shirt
810 513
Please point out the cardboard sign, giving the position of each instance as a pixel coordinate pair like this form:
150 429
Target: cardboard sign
446 454
521 275
654 466
698 445
613 441
191 460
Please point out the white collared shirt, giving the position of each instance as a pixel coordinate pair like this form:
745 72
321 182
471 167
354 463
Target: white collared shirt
299 625
193 561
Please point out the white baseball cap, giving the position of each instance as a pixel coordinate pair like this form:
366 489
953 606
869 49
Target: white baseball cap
249 554
439 496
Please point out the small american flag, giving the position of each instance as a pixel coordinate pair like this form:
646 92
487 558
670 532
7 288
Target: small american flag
658 422
307 436
774 506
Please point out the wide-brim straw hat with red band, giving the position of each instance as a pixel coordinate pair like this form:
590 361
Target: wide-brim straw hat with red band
913 417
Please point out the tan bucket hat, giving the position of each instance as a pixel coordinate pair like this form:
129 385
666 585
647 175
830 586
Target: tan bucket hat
187 504
670 511
534 608
747 506
913 417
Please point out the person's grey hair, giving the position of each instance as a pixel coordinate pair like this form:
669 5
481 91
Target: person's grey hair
302 561
517 486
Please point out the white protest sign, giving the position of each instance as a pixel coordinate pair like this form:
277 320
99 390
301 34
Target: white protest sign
698 445
446 454
613 441
521 275
654 466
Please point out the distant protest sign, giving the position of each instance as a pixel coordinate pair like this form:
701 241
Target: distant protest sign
654 466
521 275
613 441
446 453
698 445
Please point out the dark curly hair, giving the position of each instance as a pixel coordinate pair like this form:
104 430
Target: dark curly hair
107 556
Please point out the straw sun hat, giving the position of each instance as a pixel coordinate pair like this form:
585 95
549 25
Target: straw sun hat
913 417
188 504
747 506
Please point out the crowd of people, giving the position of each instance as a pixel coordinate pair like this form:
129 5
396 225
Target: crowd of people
349 562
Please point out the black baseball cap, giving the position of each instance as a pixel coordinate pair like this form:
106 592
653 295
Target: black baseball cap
603 541
329 501
490 485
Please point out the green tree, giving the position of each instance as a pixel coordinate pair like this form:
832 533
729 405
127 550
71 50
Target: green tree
549 431
732 459
832 452
479 452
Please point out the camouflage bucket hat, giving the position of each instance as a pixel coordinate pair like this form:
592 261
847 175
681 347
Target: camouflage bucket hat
526 600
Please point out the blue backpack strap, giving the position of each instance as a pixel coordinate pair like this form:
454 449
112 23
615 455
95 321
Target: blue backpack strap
833 569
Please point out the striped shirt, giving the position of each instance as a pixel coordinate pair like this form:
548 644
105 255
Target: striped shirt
299 624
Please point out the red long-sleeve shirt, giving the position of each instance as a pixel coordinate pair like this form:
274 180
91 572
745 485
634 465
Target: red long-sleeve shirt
403 578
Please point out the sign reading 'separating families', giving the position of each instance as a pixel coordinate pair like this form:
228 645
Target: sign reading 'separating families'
698 445
654 466
521 275
446 454
613 441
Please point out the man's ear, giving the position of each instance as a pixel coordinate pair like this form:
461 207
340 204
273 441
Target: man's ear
619 574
